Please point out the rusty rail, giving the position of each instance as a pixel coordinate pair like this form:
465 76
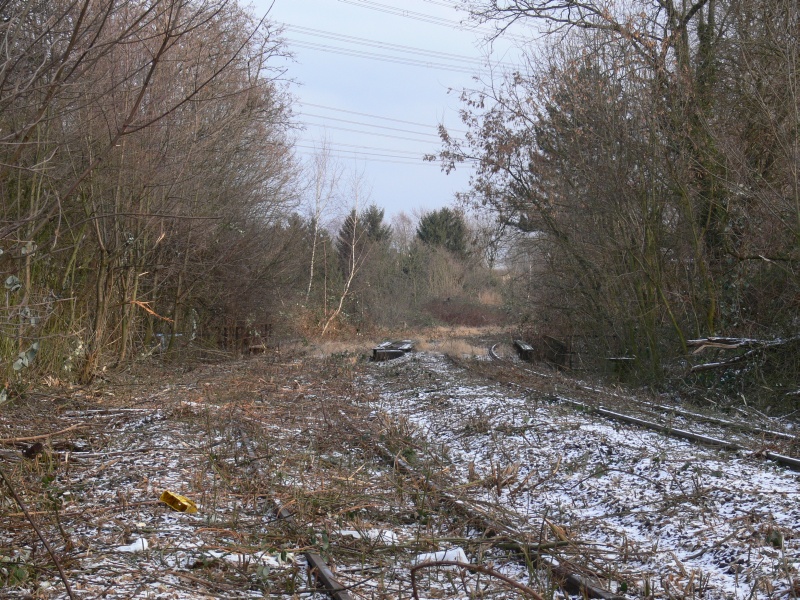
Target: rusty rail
318 567
782 459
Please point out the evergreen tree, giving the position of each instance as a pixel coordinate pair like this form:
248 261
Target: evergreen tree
358 231
372 220
444 228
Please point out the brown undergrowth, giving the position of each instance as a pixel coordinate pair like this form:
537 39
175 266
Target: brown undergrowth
240 439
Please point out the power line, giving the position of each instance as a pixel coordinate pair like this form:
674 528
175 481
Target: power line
412 62
367 158
353 112
425 18
362 153
434 135
445 4
401 12
375 133
373 158
377 43
389 46
334 145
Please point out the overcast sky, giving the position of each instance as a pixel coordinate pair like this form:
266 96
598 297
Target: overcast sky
356 88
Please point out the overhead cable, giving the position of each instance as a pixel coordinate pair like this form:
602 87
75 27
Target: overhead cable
371 158
361 152
389 46
402 12
412 62
424 18
335 145
353 112
445 4
375 133
433 135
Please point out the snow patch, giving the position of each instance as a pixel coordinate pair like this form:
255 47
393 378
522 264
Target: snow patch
138 545
453 554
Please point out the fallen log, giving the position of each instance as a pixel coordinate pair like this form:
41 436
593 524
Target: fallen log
726 343
732 343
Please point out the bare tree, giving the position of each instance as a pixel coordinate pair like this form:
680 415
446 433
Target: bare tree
642 152
145 147
325 176
405 230
352 243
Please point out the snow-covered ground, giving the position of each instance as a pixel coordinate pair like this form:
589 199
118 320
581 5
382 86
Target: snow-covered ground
113 536
649 513
645 514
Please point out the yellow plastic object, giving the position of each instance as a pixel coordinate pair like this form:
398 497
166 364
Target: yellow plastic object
178 502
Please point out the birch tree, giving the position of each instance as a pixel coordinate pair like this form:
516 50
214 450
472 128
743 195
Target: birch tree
351 243
325 176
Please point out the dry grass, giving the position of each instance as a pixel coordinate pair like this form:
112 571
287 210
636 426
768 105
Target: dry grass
490 298
293 428
466 313
454 347
238 438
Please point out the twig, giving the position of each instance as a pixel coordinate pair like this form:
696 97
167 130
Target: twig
84 511
52 554
733 343
728 343
702 551
146 307
44 436
470 567
205 582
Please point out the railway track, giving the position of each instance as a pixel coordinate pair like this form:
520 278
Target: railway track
692 511
505 535
667 428
512 539
318 569
561 559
